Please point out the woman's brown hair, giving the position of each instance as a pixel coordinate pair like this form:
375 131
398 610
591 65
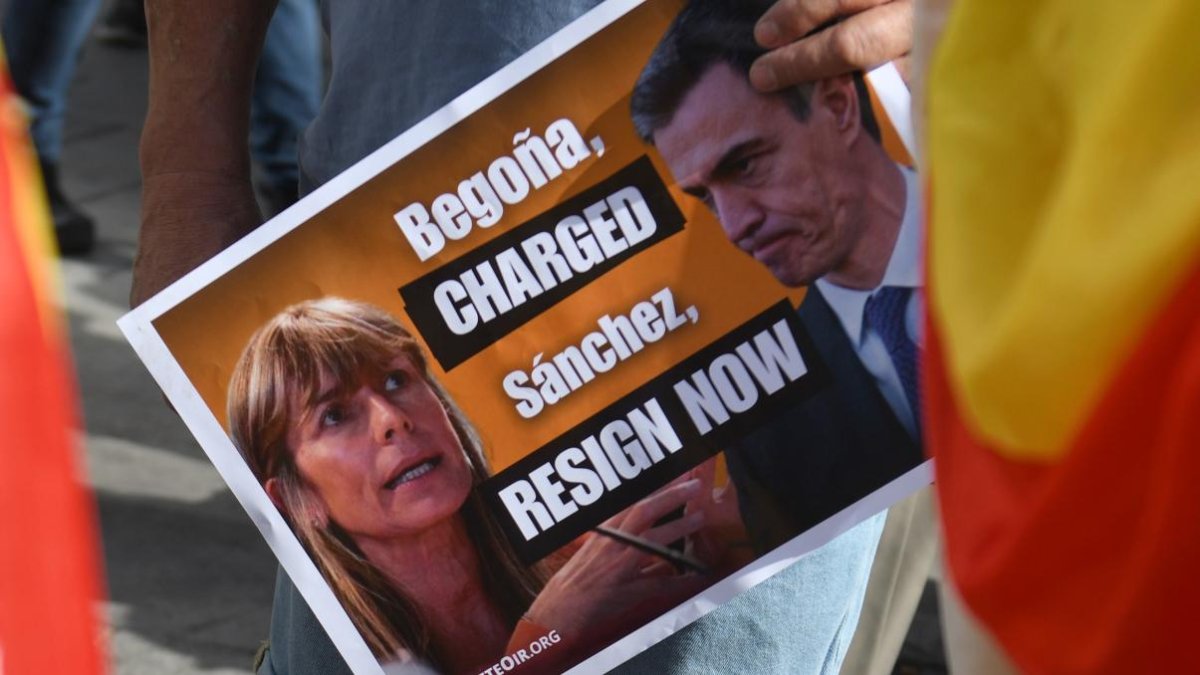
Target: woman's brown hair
282 365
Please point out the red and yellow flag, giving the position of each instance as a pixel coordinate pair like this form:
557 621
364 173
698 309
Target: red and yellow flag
49 567
1063 371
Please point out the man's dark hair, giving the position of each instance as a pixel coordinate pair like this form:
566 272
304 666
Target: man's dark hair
705 33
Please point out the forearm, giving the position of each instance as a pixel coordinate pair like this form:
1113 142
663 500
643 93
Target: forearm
197 196
202 58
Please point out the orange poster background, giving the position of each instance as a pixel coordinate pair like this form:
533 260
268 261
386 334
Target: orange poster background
354 249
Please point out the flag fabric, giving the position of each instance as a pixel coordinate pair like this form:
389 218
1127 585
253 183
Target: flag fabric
1062 379
49 565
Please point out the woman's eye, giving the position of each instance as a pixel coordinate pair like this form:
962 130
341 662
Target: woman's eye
332 416
395 380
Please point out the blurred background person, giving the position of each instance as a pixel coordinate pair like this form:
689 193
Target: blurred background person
287 89
42 39
287 94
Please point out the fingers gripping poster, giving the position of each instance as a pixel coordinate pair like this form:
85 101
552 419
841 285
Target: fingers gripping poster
566 365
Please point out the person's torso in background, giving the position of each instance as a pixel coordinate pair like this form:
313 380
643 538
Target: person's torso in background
397 61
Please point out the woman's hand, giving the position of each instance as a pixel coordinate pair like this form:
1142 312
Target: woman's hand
723 542
608 584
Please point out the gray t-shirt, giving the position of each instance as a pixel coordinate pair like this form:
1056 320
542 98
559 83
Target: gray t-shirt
397 61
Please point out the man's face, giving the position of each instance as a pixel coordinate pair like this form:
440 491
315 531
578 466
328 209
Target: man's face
786 192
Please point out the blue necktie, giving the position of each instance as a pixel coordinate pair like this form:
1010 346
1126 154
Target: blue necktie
885 314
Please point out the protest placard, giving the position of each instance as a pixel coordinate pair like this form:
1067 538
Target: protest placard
519 346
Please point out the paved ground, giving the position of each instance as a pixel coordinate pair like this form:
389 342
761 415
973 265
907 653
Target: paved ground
188 575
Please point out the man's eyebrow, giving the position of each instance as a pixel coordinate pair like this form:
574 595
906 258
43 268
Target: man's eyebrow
733 155
722 166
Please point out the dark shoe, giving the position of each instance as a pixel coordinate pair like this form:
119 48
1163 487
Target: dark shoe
124 25
74 229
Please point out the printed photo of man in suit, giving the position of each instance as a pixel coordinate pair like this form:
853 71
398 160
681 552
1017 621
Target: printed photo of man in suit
800 182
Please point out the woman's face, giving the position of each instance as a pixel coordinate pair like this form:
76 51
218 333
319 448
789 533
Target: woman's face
381 453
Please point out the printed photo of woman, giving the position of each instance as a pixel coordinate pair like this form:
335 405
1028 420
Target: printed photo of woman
375 468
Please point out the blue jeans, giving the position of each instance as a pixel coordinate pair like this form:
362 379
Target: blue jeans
287 90
798 622
43 38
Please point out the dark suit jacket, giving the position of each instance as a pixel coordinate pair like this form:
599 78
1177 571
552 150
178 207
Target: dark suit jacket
830 450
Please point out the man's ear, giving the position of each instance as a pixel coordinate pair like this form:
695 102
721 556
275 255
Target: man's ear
838 97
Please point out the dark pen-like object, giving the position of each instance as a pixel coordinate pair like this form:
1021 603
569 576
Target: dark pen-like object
681 561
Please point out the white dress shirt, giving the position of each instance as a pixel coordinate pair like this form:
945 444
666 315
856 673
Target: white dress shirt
904 271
